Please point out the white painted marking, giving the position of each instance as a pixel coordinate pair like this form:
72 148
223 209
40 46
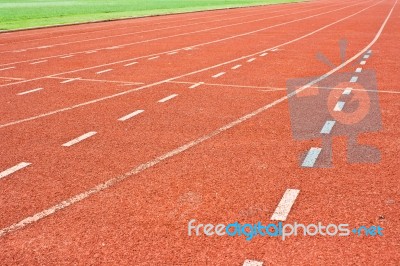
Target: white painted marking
30 91
112 47
358 70
274 50
252 263
347 91
163 100
363 62
196 85
188 48
327 128
67 56
171 53
44 47
285 205
339 106
130 64
311 157
154 57
79 139
369 52
104 71
69 80
263 54
366 56
7 68
218 75
128 116
251 60
91 52
13 169
236 67
38 62
354 79
20 51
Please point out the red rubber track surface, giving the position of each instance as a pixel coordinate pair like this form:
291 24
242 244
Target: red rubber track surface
239 174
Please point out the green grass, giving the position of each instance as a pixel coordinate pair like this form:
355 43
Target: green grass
19 14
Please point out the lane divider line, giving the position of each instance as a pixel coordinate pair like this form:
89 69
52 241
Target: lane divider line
196 85
353 79
252 263
311 157
339 106
128 116
79 139
38 62
13 169
66 56
347 91
263 54
7 68
154 57
251 60
69 80
30 91
104 71
285 205
171 53
130 64
44 47
327 128
163 100
218 75
359 69
366 56
363 62
236 67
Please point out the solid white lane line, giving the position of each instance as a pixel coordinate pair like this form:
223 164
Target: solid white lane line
30 91
366 56
358 70
347 91
236 67
285 205
218 75
79 139
91 52
363 62
274 50
154 57
130 64
66 56
163 100
13 169
20 51
44 47
252 263
339 106
251 60
104 71
353 79
128 116
311 157
196 85
327 128
7 68
38 62
263 54
171 53
69 80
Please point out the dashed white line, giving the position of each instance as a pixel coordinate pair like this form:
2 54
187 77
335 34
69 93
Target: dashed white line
358 70
363 62
104 71
218 75
38 62
366 56
128 116
196 85
236 67
285 205
69 80
311 157
251 60
252 263
154 57
353 79
163 100
327 128
263 54
79 139
7 68
347 91
30 91
130 64
369 51
13 169
339 106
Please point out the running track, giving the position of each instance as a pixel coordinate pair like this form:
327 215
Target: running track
114 135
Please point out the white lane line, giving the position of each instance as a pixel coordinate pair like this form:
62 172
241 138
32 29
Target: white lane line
69 80
363 62
154 57
369 52
252 263
218 75
79 139
339 106
353 79
104 71
188 48
91 52
130 64
7 68
251 60
327 128
196 85
236 67
13 169
263 54
44 47
359 69
112 47
285 205
163 100
274 50
366 56
66 56
347 91
171 53
311 157
30 91
128 116
38 62
20 51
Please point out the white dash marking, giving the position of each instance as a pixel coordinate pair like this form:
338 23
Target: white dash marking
128 116
339 106
353 79
363 62
104 71
66 56
171 53
69 80
366 56
38 62
79 139
30 91
236 67
7 68
252 263
274 50
163 100
263 54
311 157
154 57
20 51
369 51
347 91
358 70
45 46
196 85
327 128
251 60
218 75
13 169
91 52
130 64
282 211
